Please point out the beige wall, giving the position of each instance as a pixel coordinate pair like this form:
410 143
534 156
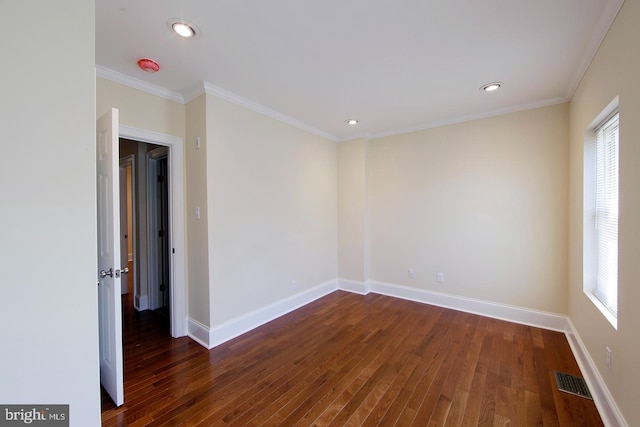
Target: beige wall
352 210
48 308
483 202
197 229
267 198
272 210
614 71
140 109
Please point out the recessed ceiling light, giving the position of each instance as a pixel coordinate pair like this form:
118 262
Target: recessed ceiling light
351 122
183 28
490 87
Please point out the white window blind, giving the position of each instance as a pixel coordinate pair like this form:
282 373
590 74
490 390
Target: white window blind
606 213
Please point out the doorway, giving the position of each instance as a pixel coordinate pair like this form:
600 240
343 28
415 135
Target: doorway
108 154
158 181
127 223
176 218
145 225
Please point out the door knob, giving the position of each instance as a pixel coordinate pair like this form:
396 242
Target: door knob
124 270
104 273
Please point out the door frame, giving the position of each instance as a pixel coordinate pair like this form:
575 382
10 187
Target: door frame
152 223
178 292
130 161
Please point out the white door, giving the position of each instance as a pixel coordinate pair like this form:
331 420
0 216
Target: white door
109 298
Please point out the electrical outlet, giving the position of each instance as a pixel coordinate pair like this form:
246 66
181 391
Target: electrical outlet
294 285
608 357
440 277
411 273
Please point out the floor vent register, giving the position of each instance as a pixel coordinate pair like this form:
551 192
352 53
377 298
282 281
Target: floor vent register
572 384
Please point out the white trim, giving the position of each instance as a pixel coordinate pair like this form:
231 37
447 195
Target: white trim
469 118
194 92
177 200
198 332
607 407
141 302
238 326
525 316
218 92
150 136
152 224
599 32
177 197
130 160
362 288
123 79
589 232
204 87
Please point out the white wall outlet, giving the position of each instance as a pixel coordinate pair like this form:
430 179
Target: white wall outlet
411 273
294 285
440 277
608 350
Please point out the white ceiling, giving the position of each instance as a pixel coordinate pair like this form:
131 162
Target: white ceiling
393 65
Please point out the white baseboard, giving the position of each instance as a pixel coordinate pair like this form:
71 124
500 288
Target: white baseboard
211 337
141 302
525 316
607 407
353 286
198 332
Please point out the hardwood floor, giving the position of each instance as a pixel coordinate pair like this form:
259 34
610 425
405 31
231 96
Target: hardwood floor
351 360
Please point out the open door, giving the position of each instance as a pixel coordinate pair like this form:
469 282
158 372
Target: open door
109 286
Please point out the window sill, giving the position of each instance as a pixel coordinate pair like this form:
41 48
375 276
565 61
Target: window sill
613 319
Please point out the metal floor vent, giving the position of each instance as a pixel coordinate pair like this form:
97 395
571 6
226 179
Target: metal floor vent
572 384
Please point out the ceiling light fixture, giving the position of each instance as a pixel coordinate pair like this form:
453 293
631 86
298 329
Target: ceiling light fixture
490 87
183 28
148 65
351 122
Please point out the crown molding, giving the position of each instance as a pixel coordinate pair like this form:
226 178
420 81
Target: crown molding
600 30
361 135
209 89
218 92
469 118
191 94
261 109
132 82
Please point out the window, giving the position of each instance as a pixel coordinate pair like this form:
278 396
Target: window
606 214
601 219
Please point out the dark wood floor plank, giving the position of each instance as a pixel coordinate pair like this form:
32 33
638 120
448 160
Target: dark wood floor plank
293 397
350 360
435 406
368 396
